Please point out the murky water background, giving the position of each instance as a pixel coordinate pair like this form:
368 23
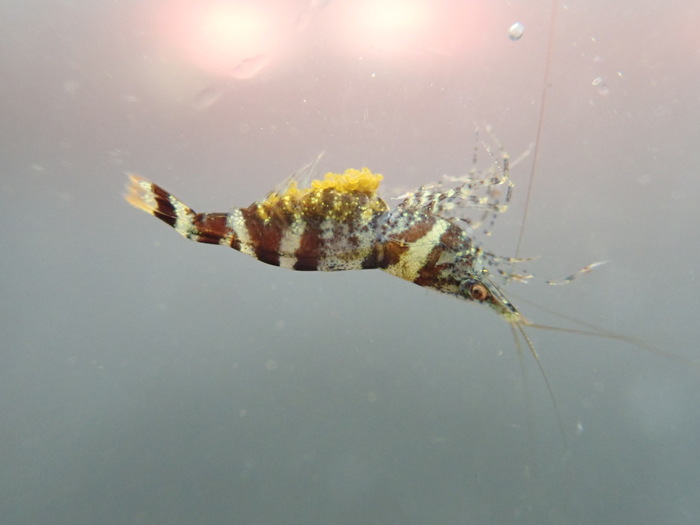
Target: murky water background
145 379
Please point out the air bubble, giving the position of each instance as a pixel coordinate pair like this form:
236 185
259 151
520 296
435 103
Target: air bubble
515 32
601 86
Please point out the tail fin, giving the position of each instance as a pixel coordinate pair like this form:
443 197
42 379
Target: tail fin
153 199
209 228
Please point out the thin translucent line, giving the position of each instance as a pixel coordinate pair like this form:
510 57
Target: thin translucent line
543 101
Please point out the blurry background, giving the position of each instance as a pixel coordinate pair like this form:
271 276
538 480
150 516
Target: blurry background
147 379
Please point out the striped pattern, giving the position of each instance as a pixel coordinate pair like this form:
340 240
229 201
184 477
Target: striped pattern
325 230
340 223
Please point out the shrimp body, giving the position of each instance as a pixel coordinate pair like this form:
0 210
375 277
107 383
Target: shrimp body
340 223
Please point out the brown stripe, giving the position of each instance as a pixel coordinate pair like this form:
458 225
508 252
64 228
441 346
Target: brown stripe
373 258
210 228
454 239
450 240
264 237
417 230
309 250
391 253
164 210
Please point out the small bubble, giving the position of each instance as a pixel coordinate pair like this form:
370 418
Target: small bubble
601 86
371 397
515 32
271 364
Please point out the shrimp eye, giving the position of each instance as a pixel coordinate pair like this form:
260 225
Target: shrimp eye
478 292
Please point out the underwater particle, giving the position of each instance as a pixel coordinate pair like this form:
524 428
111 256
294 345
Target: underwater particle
601 86
515 32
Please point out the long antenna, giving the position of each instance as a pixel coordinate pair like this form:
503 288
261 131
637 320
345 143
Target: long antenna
543 102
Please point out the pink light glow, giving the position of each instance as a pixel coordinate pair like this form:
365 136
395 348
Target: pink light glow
218 37
405 28
239 39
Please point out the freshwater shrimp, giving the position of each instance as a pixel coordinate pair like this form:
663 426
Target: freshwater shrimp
340 222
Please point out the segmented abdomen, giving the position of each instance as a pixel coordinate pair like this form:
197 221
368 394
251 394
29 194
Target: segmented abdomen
319 228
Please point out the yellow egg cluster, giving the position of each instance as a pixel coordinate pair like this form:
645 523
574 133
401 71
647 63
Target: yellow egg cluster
339 197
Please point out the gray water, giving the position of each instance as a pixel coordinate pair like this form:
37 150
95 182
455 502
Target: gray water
148 379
